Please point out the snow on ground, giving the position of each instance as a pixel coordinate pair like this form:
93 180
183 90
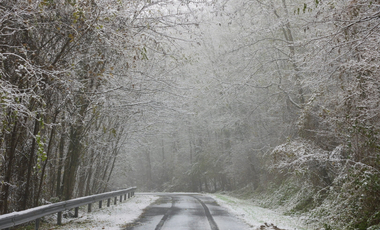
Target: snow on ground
110 218
256 216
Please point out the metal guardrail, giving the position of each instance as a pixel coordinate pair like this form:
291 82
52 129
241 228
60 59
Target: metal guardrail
17 218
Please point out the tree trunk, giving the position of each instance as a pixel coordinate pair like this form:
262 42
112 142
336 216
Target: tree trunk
148 169
77 132
50 146
72 161
112 167
88 182
290 39
60 162
8 163
30 165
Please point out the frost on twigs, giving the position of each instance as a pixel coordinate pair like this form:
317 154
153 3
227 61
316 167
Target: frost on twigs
302 158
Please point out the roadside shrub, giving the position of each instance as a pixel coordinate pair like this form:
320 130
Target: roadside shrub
352 201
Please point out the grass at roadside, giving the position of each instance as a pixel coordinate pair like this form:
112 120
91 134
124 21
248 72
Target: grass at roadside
257 216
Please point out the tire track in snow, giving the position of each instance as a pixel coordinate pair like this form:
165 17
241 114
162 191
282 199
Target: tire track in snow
210 219
166 216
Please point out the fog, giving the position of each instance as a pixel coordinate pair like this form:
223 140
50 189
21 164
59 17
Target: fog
271 100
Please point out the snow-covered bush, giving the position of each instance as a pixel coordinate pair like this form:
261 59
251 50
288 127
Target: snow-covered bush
338 191
304 160
352 200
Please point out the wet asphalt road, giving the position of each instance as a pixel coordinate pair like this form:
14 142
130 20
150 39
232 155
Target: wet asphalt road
186 212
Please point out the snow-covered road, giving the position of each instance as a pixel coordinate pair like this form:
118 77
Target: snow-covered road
173 211
179 211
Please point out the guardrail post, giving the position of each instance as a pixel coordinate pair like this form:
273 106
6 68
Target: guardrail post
129 195
115 200
59 218
76 212
121 198
125 196
108 202
100 203
89 208
37 224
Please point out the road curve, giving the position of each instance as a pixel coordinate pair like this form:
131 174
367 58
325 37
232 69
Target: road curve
174 211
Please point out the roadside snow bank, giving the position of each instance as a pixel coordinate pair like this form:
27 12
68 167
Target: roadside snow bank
256 216
110 218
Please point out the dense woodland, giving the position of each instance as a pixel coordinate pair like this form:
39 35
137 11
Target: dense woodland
273 100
